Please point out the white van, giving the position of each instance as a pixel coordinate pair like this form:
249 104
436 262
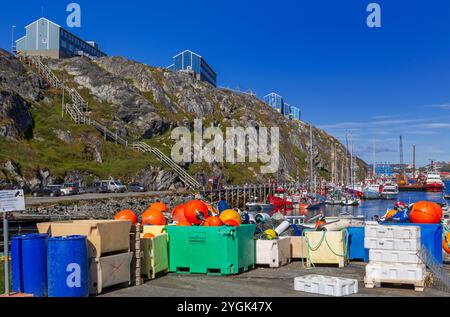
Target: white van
115 186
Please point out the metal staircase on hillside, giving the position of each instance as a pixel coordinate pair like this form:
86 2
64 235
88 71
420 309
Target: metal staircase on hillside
76 110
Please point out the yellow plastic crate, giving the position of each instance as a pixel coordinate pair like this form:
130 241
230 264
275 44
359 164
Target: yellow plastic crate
154 230
155 256
327 248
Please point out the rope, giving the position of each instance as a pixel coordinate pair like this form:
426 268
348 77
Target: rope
316 248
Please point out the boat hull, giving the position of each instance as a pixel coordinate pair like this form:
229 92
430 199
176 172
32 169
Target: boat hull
434 188
369 194
389 196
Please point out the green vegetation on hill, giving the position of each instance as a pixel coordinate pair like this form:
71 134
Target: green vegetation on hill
44 150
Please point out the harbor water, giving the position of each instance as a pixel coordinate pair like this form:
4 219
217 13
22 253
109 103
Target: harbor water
371 208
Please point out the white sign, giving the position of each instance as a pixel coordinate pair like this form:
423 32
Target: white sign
12 200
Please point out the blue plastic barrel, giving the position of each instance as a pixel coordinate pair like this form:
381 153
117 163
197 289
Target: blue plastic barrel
68 274
430 237
29 264
356 250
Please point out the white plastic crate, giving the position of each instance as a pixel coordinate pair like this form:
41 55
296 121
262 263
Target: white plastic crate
392 272
392 244
392 232
326 285
275 253
387 256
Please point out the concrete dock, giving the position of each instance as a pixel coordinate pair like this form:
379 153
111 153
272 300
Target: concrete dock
262 282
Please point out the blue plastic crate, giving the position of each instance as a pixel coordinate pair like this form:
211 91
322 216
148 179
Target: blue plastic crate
356 244
431 237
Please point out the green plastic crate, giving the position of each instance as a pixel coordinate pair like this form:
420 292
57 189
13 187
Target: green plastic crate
211 250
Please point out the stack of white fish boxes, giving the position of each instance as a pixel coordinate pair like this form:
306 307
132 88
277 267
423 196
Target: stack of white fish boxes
394 256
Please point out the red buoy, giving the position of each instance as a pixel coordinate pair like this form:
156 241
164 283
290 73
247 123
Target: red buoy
425 212
153 217
126 215
196 211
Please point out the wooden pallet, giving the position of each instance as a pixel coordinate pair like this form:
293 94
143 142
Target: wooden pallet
419 286
212 272
135 247
16 295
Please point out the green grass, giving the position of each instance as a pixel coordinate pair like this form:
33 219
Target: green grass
44 150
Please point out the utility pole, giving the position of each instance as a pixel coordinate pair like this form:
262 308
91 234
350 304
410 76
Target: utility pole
414 162
13 47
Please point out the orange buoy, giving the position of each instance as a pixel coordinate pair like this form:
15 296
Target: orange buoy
159 206
231 223
231 214
390 214
184 223
149 236
320 223
426 212
196 212
213 222
178 213
126 215
153 217
446 243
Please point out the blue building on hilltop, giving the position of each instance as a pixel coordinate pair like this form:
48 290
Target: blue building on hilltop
275 101
191 62
46 38
295 113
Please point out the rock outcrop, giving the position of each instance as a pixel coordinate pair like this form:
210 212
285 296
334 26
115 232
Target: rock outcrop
146 103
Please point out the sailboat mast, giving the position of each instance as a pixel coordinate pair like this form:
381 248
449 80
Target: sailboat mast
347 176
311 163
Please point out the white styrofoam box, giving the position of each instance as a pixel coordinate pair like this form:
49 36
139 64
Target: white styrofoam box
392 232
392 244
326 285
390 256
274 253
396 272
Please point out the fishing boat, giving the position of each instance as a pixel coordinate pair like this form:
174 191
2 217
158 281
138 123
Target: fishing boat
434 182
350 202
389 192
372 192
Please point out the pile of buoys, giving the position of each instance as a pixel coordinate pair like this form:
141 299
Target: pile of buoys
193 213
425 212
126 215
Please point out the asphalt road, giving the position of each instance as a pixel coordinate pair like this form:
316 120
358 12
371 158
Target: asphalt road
262 282
30 201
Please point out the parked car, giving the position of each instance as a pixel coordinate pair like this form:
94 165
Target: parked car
7 185
48 191
115 186
136 187
69 189
97 187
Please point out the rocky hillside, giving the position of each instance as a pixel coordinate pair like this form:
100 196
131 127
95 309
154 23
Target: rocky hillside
39 146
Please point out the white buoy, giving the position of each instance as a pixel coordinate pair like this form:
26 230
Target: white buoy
283 227
262 218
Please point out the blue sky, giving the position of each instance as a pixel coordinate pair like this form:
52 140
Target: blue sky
320 55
